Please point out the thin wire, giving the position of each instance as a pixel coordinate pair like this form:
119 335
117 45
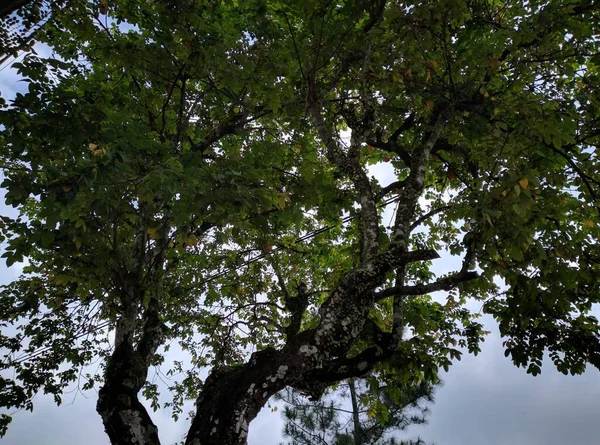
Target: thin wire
254 259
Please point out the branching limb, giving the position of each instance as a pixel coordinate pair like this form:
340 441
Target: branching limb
428 215
389 188
446 283
231 126
352 168
416 180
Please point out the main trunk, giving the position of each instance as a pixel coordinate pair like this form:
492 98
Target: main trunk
232 397
125 419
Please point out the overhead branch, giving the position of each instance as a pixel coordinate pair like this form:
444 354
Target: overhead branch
446 284
391 144
351 167
416 255
233 125
408 123
586 179
416 180
389 188
428 215
317 380
446 146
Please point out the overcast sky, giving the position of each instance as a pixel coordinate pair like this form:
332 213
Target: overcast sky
485 400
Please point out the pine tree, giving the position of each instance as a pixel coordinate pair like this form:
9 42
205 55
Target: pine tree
356 413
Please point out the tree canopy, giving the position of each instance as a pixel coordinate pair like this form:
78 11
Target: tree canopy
330 421
198 174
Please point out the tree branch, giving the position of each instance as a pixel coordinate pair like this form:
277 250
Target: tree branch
352 168
231 126
416 180
428 215
445 283
389 188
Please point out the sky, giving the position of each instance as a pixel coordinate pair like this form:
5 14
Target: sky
485 400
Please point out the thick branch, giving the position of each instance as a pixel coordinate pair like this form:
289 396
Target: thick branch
389 188
125 419
343 368
446 284
231 126
352 168
416 180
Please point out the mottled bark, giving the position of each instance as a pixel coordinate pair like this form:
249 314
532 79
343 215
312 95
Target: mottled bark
125 419
232 396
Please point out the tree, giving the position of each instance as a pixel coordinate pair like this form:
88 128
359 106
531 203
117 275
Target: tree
195 173
19 22
373 417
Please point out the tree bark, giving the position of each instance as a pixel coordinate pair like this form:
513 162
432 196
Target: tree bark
232 397
125 419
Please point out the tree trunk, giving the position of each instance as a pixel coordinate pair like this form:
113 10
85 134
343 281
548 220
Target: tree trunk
232 397
125 419
355 415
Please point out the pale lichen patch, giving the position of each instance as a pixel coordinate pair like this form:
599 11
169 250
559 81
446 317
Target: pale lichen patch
281 371
308 350
362 366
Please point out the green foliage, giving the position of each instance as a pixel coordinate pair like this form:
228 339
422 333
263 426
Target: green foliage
380 409
162 162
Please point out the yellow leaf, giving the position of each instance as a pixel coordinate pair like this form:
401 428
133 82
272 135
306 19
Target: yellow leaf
504 193
282 200
153 232
524 183
66 188
103 6
588 223
92 147
192 240
275 409
171 244
494 63
430 104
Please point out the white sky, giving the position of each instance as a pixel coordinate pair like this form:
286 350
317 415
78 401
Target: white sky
485 400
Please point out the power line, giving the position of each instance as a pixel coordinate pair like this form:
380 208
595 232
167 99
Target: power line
213 277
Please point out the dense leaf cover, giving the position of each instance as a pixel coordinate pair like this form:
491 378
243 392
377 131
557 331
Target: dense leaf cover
173 164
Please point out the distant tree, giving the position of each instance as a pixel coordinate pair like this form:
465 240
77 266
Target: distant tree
198 174
356 414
